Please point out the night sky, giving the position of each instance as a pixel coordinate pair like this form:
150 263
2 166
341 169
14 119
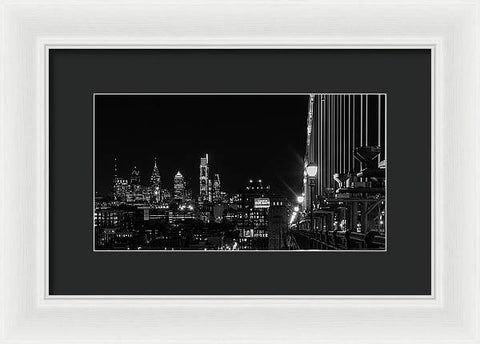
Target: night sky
246 137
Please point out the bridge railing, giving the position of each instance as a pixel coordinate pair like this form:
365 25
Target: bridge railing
338 240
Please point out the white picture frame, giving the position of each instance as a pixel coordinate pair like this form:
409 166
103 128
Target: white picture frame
449 28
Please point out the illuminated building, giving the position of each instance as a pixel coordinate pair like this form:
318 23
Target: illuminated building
232 212
120 186
115 176
232 215
135 176
255 202
135 193
125 191
115 227
179 187
159 214
205 212
223 197
147 196
235 200
135 183
108 218
155 185
204 181
210 198
188 196
120 190
216 188
182 213
166 195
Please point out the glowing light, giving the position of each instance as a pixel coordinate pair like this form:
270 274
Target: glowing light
292 218
312 170
300 199
359 227
296 209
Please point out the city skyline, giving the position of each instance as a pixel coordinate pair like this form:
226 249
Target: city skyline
167 182
271 183
178 130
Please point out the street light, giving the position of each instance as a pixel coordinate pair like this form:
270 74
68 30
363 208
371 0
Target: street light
312 170
311 173
300 199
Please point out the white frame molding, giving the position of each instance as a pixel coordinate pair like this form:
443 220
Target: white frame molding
29 28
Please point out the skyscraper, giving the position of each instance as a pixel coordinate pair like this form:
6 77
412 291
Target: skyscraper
135 193
120 186
216 188
115 176
135 176
188 195
204 179
165 195
178 187
120 189
155 185
209 191
115 184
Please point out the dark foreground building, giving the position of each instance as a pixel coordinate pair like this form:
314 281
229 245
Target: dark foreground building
278 215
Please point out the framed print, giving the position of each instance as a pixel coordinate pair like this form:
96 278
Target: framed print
240 172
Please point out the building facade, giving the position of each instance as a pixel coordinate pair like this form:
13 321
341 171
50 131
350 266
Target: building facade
179 187
216 197
204 179
255 202
155 185
278 214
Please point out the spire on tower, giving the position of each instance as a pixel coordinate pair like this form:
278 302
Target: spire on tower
155 184
155 178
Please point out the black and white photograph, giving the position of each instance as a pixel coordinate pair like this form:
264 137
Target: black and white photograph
240 172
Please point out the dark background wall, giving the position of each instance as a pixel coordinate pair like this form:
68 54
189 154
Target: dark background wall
403 74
